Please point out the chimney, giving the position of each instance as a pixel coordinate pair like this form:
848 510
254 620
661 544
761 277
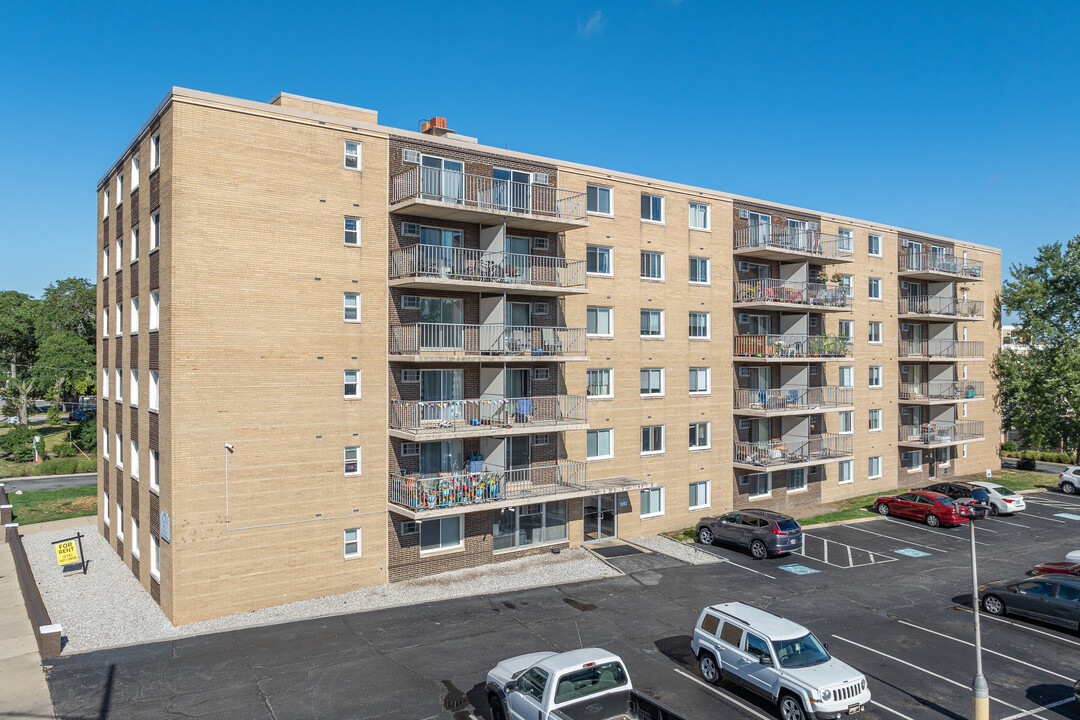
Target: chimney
435 126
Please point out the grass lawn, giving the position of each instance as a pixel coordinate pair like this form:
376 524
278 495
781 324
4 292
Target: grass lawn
1020 479
51 436
39 506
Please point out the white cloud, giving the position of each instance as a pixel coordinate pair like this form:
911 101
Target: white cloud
593 25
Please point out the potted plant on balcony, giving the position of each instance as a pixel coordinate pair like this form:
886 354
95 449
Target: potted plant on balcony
837 277
822 276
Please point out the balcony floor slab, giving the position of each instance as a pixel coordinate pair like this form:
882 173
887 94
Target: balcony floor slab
499 359
778 412
439 283
429 208
469 431
791 466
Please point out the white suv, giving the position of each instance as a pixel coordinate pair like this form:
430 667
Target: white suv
777 659
1069 481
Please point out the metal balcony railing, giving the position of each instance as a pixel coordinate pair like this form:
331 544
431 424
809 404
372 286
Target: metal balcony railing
785 452
935 433
433 261
418 493
436 416
923 261
942 390
931 305
482 340
794 398
799 293
811 242
793 346
941 348
486 193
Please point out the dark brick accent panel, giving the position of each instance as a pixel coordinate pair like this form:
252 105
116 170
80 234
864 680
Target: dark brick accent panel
108 533
154 343
526 552
155 190
153 422
404 550
135 566
119 355
118 213
106 237
133 271
155 515
133 425
105 291
155 590
133 341
120 548
154 277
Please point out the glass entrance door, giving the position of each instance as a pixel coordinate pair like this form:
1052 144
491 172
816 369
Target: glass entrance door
517 258
513 189
436 388
442 180
440 327
438 254
598 518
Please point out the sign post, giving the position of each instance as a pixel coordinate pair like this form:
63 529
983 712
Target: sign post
69 554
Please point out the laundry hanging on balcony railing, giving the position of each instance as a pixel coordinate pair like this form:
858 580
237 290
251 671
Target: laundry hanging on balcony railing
452 403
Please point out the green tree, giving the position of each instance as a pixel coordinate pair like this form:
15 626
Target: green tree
64 365
69 305
18 339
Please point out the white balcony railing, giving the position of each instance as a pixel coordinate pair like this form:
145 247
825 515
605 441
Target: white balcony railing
793 346
942 390
798 293
785 452
931 305
433 261
939 263
936 433
811 242
437 416
418 493
483 340
941 348
794 398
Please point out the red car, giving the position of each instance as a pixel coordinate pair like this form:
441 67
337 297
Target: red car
932 508
1057 568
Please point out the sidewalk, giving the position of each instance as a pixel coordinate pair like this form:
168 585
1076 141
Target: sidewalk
26 695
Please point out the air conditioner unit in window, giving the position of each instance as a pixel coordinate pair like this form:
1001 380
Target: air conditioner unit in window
813 369
410 230
744 372
744 424
541 308
410 302
540 374
744 318
541 439
812 226
744 266
410 449
410 527
813 469
813 321
410 156
540 244
744 479
540 178
410 376
904 327
903 242
744 214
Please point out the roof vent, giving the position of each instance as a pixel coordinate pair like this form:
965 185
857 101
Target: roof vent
435 126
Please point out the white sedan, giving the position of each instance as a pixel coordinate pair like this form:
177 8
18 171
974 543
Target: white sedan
1003 501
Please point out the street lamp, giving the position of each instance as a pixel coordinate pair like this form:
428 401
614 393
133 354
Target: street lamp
979 691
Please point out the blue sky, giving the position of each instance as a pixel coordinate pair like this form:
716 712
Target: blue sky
957 118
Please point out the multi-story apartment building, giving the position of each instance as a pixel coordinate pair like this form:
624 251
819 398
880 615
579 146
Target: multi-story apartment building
336 354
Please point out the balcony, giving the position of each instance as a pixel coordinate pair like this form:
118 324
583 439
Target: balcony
802 348
426 497
941 392
779 454
786 244
445 268
946 308
464 197
444 419
793 400
935 434
769 294
941 349
440 342
935 266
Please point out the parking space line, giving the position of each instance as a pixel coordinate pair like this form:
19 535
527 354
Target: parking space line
727 696
876 558
987 650
1015 524
757 572
1029 628
1048 519
890 537
897 713
936 532
1028 713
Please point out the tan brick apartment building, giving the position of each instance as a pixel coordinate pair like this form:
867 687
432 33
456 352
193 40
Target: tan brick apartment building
336 354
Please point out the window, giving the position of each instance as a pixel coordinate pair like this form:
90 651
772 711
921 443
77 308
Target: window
598 445
847 422
911 460
963 450
700 381
699 435
155 557
352 155
134 395
119 328
120 188
598 260
732 635
154 390
134 460
541 439
352 383
874 291
796 479
845 329
699 325
105 201
155 481
352 461
119 450
528 525
105 322
105 262
442 534
105 452
847 376
598 200
134 536
352 231
652 323
760 485
875 376
845 241
119 254
652 208
533 684
119 387
598 381
845 472
875 332
963 372
105 517
963 409
104 382
652 265
135 171
699 271
873 470
119 521
700 219
155 231
652 382
875 420
541 373
155 309
352 543
652 502
134 322
652 439
700 494
134 243
155 151
352 307
598 322
874 245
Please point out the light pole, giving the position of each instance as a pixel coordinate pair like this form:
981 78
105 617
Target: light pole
979 691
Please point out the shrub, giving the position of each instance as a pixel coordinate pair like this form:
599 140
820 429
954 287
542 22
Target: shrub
58 466
1008 453
1026 464
1010 446
85 465
1064 458
17 436
53 414
65 450
1029 455
86 435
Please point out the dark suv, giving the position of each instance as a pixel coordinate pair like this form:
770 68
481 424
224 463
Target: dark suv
962 491
762 532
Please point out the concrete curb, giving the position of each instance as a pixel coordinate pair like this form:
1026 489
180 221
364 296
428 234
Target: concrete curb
46 477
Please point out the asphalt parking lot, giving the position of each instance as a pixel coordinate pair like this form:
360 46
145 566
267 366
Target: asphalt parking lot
891 597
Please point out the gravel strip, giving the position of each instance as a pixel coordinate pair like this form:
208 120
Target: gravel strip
680 551
108 607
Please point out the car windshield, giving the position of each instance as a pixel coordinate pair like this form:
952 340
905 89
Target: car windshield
589 681
787 525
800 652
947 501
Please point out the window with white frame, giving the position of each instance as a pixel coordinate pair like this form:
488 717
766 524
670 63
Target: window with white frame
134 459
963 333
652 439
598 200
875 376
155 151
652 382
652 323
155 309
598 260
135 171
845 472
652 265
119 317
699 271
873 243
119 254
352 460
963 450
154 390
352 383
700 494
699 325
847 422
119 188
104 382
845 240
963 409
134 243
875 332
911 460
796 479
105 262
155 557
652 502
106 518
155 469
155 231
598 322
760 485
134 322
352 307
700 381
700 217
598 444
352 231
874 288
105 452
699 435
873 470
119 521
105 201
105 322
352 155
119 450
446 533
846 376
532 524
117 379
652 208
963 372
844 329
875 420
598 383
134 388
352 543
134 536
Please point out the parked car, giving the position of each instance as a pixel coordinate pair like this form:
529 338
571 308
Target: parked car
777 659
80 413
762 532
966 493
1074 556
10 419
1069 481
587 684
1003 501
932 508
1057 568
1051 598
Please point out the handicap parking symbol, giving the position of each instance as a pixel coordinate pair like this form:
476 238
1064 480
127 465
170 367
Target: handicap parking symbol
1067 516
799 569
910 552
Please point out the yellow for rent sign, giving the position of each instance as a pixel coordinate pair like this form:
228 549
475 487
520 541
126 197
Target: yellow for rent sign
67 552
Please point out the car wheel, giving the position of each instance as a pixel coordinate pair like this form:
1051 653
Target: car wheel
705 536
883 509
1068 488
758 550
791 708
496 708
994 512
993 605
709 668
933 520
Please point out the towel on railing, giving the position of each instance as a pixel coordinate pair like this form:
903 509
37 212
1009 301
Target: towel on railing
524 408
793 397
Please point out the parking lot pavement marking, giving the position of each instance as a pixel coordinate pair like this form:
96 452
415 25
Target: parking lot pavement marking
963 539
726 696
1029 628
735 564
988 650
795 569
891 537
911 552
1067 516
1048 519
1007 522
941 677
841 550
897 713
1029 713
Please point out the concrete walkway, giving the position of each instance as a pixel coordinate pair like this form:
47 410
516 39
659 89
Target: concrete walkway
25 693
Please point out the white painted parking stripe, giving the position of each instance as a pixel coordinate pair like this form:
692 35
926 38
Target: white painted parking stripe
963 539
939 677
1036 516
730 698
897 713
987 650
1007 522
875 557
1029 713
1029 628
757 572
891 537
